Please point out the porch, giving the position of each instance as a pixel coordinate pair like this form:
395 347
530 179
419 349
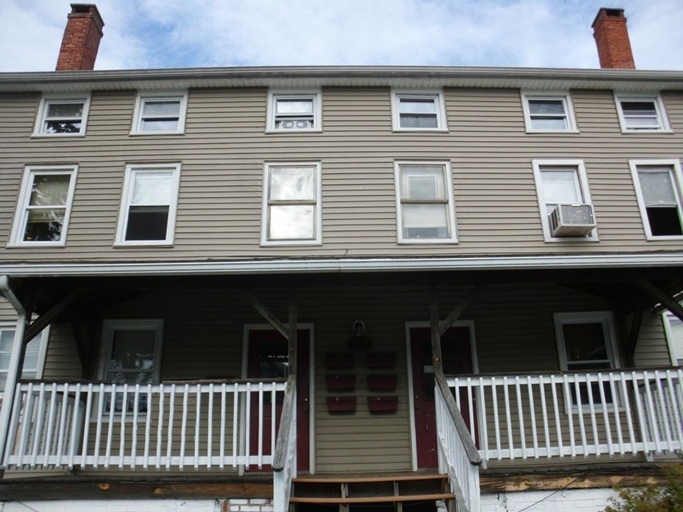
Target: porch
509 398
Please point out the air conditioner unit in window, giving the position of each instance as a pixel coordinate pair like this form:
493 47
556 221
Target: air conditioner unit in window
572 220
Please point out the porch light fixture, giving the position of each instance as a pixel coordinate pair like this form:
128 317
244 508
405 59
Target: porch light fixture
358 342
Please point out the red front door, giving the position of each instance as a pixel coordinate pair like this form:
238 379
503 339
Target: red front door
456 356
268 359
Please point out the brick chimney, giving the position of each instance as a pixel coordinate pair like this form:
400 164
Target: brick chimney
81 39
611 37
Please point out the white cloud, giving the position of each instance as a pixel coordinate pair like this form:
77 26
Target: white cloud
165 33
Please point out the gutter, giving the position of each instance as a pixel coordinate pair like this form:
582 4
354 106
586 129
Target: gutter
343 265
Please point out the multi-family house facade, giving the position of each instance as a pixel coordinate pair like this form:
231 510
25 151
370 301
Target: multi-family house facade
369 276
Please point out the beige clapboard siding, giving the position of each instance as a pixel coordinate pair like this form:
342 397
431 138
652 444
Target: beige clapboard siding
225 146
8 315
203 337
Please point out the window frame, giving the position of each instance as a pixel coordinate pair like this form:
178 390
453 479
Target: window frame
660 108
43 107
317 214
606 318
44 338
109 326
564 97
439 107
22 208
315 95
450 201
667 318
143 96
584 187
675 166
126 197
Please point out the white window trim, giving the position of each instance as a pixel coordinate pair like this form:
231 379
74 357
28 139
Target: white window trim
317 216
125 203
585 192
453 238
38 129
664 126
438 96
42 351
678 191
315 94
667 316
142 96
564 97
108 328
21 214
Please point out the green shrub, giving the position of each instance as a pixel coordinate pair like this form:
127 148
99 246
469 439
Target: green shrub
653 498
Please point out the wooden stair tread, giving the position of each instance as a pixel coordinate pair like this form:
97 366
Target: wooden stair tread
366 479
372 499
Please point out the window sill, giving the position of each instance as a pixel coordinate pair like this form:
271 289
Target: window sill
419 130
142 245
631 131
555 132
24 245
56 135
153 134
292 243
571 239
664 238
287 132
430 241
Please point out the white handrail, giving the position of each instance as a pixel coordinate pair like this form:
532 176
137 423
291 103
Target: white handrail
594 414
159 426
284 464
458 457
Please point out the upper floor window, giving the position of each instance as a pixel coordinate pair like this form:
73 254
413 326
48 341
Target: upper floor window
34 356
564 200
418 111
149 204
641 113
291 204
160 112
424 202
62 115
44 206
587 343
294 111
658 186
548 113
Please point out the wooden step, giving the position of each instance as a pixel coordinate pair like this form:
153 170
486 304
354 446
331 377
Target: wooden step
366 479
372 499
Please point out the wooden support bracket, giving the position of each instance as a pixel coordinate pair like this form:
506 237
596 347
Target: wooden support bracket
660 296
50 316
267 314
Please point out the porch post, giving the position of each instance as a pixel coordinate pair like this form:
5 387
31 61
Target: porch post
435 334
292 333
16 362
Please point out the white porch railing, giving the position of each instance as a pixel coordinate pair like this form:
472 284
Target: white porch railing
160 426
458 457
558 415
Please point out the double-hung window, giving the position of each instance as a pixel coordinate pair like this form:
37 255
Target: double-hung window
294 111
562 185
62 115
424 202
587 343
149 204
418 111
131 354
160 113
291 204
34 356
44 206
658 186
548 113
641 113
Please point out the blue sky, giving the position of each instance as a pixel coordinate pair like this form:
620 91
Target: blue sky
198 33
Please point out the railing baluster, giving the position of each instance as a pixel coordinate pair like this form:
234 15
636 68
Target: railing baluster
235 424
651 413
259 451
677 423
520 413
579 413
665 414
544 415
470 409
508 418
605 414
247 425
616 402
98 428
496 421
532 412
224 392
51 418
160 426
641 416
627 413
134 440
209 437
197 425
124 410
273 436
570 417
148 426
171 415
86 425
62 425
183 425
484 437
74 426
